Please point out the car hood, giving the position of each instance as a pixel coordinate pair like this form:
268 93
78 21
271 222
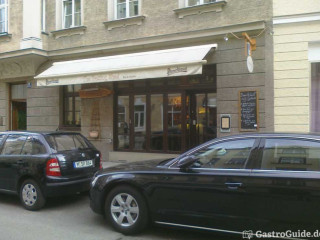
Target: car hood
135 166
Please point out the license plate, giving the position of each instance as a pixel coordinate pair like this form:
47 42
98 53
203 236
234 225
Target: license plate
83 164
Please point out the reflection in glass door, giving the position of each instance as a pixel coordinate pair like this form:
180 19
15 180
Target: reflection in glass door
201 118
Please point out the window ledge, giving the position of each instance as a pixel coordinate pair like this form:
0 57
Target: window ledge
69 32
199 9
137 20
5 37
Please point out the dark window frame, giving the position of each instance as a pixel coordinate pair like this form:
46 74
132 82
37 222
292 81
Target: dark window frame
66 95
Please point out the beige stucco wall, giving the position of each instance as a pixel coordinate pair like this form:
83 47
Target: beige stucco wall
291 66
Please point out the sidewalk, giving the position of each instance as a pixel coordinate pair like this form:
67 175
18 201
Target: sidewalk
110 164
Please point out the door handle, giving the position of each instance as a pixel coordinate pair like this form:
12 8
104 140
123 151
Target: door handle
233 186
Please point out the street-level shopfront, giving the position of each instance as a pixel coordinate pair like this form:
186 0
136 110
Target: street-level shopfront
167 114
163 101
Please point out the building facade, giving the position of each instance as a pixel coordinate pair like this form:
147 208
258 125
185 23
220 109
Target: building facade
296 65
85 66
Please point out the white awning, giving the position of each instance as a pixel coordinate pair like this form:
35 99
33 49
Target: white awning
143 65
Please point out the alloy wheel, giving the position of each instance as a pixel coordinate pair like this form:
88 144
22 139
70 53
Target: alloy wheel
124 209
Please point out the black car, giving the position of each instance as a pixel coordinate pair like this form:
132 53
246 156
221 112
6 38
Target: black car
267 182
40 165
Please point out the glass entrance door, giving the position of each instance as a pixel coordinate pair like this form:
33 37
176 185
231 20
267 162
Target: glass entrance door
201 118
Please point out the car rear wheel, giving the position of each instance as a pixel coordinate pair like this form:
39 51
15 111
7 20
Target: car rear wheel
126 210
31 195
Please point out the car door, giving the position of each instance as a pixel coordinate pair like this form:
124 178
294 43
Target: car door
10 158
285 184
212 192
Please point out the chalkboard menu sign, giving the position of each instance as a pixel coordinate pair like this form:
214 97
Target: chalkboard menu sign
248 110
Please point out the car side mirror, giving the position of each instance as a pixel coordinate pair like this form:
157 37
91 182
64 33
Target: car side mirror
186 162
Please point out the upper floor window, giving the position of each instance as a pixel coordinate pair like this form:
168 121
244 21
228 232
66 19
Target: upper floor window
71 14
190 3
3 16
126 8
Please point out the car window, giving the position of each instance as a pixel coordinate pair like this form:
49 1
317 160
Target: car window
33 146
229 154
13 145
291 154
1 137
66 142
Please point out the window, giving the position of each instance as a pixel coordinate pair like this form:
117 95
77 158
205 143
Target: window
291 154
229 154
3 16
1 138
33 147
71 13
13 145
66 142
126 8
72 106
190 3
43 15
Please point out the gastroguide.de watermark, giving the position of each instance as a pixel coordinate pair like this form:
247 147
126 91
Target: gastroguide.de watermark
289 234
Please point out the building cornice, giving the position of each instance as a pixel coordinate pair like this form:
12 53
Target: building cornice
157 42
297 18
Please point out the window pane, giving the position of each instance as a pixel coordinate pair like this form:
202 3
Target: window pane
77 6
140 142
174 143
121 10
156 142
27 148
157 114
211 130
77 104
1 138
134 8
38 147
140 114
77 19
68 21
230 154
193 2
65 142
208 1
2 15
174 113
3 2
123 115
13 145
123 142
290 154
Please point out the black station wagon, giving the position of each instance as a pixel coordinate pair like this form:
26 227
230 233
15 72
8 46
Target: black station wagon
266 182
40 165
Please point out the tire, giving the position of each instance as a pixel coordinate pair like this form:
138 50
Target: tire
126 210
31 196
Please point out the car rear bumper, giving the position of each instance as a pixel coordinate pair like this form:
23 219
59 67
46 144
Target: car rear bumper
67 187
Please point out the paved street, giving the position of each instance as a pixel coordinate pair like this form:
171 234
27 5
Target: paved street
70 218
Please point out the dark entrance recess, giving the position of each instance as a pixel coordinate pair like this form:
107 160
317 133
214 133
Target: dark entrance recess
165 115
18 106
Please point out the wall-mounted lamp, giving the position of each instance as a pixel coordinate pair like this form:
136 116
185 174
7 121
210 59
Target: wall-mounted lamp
226 38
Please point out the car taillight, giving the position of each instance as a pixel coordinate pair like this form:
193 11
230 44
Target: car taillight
53 168
100 161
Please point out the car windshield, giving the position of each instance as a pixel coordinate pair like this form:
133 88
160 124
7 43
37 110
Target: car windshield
66 142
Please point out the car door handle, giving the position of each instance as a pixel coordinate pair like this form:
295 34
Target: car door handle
233 186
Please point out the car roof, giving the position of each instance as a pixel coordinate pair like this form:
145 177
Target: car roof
39 132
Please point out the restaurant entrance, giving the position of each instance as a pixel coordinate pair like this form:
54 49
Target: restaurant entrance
168 115
201 118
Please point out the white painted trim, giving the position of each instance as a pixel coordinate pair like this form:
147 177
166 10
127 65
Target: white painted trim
314 52
296 19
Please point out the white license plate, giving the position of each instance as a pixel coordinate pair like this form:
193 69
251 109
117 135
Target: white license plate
83 164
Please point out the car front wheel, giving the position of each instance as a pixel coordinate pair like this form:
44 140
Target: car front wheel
31 195
126 210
